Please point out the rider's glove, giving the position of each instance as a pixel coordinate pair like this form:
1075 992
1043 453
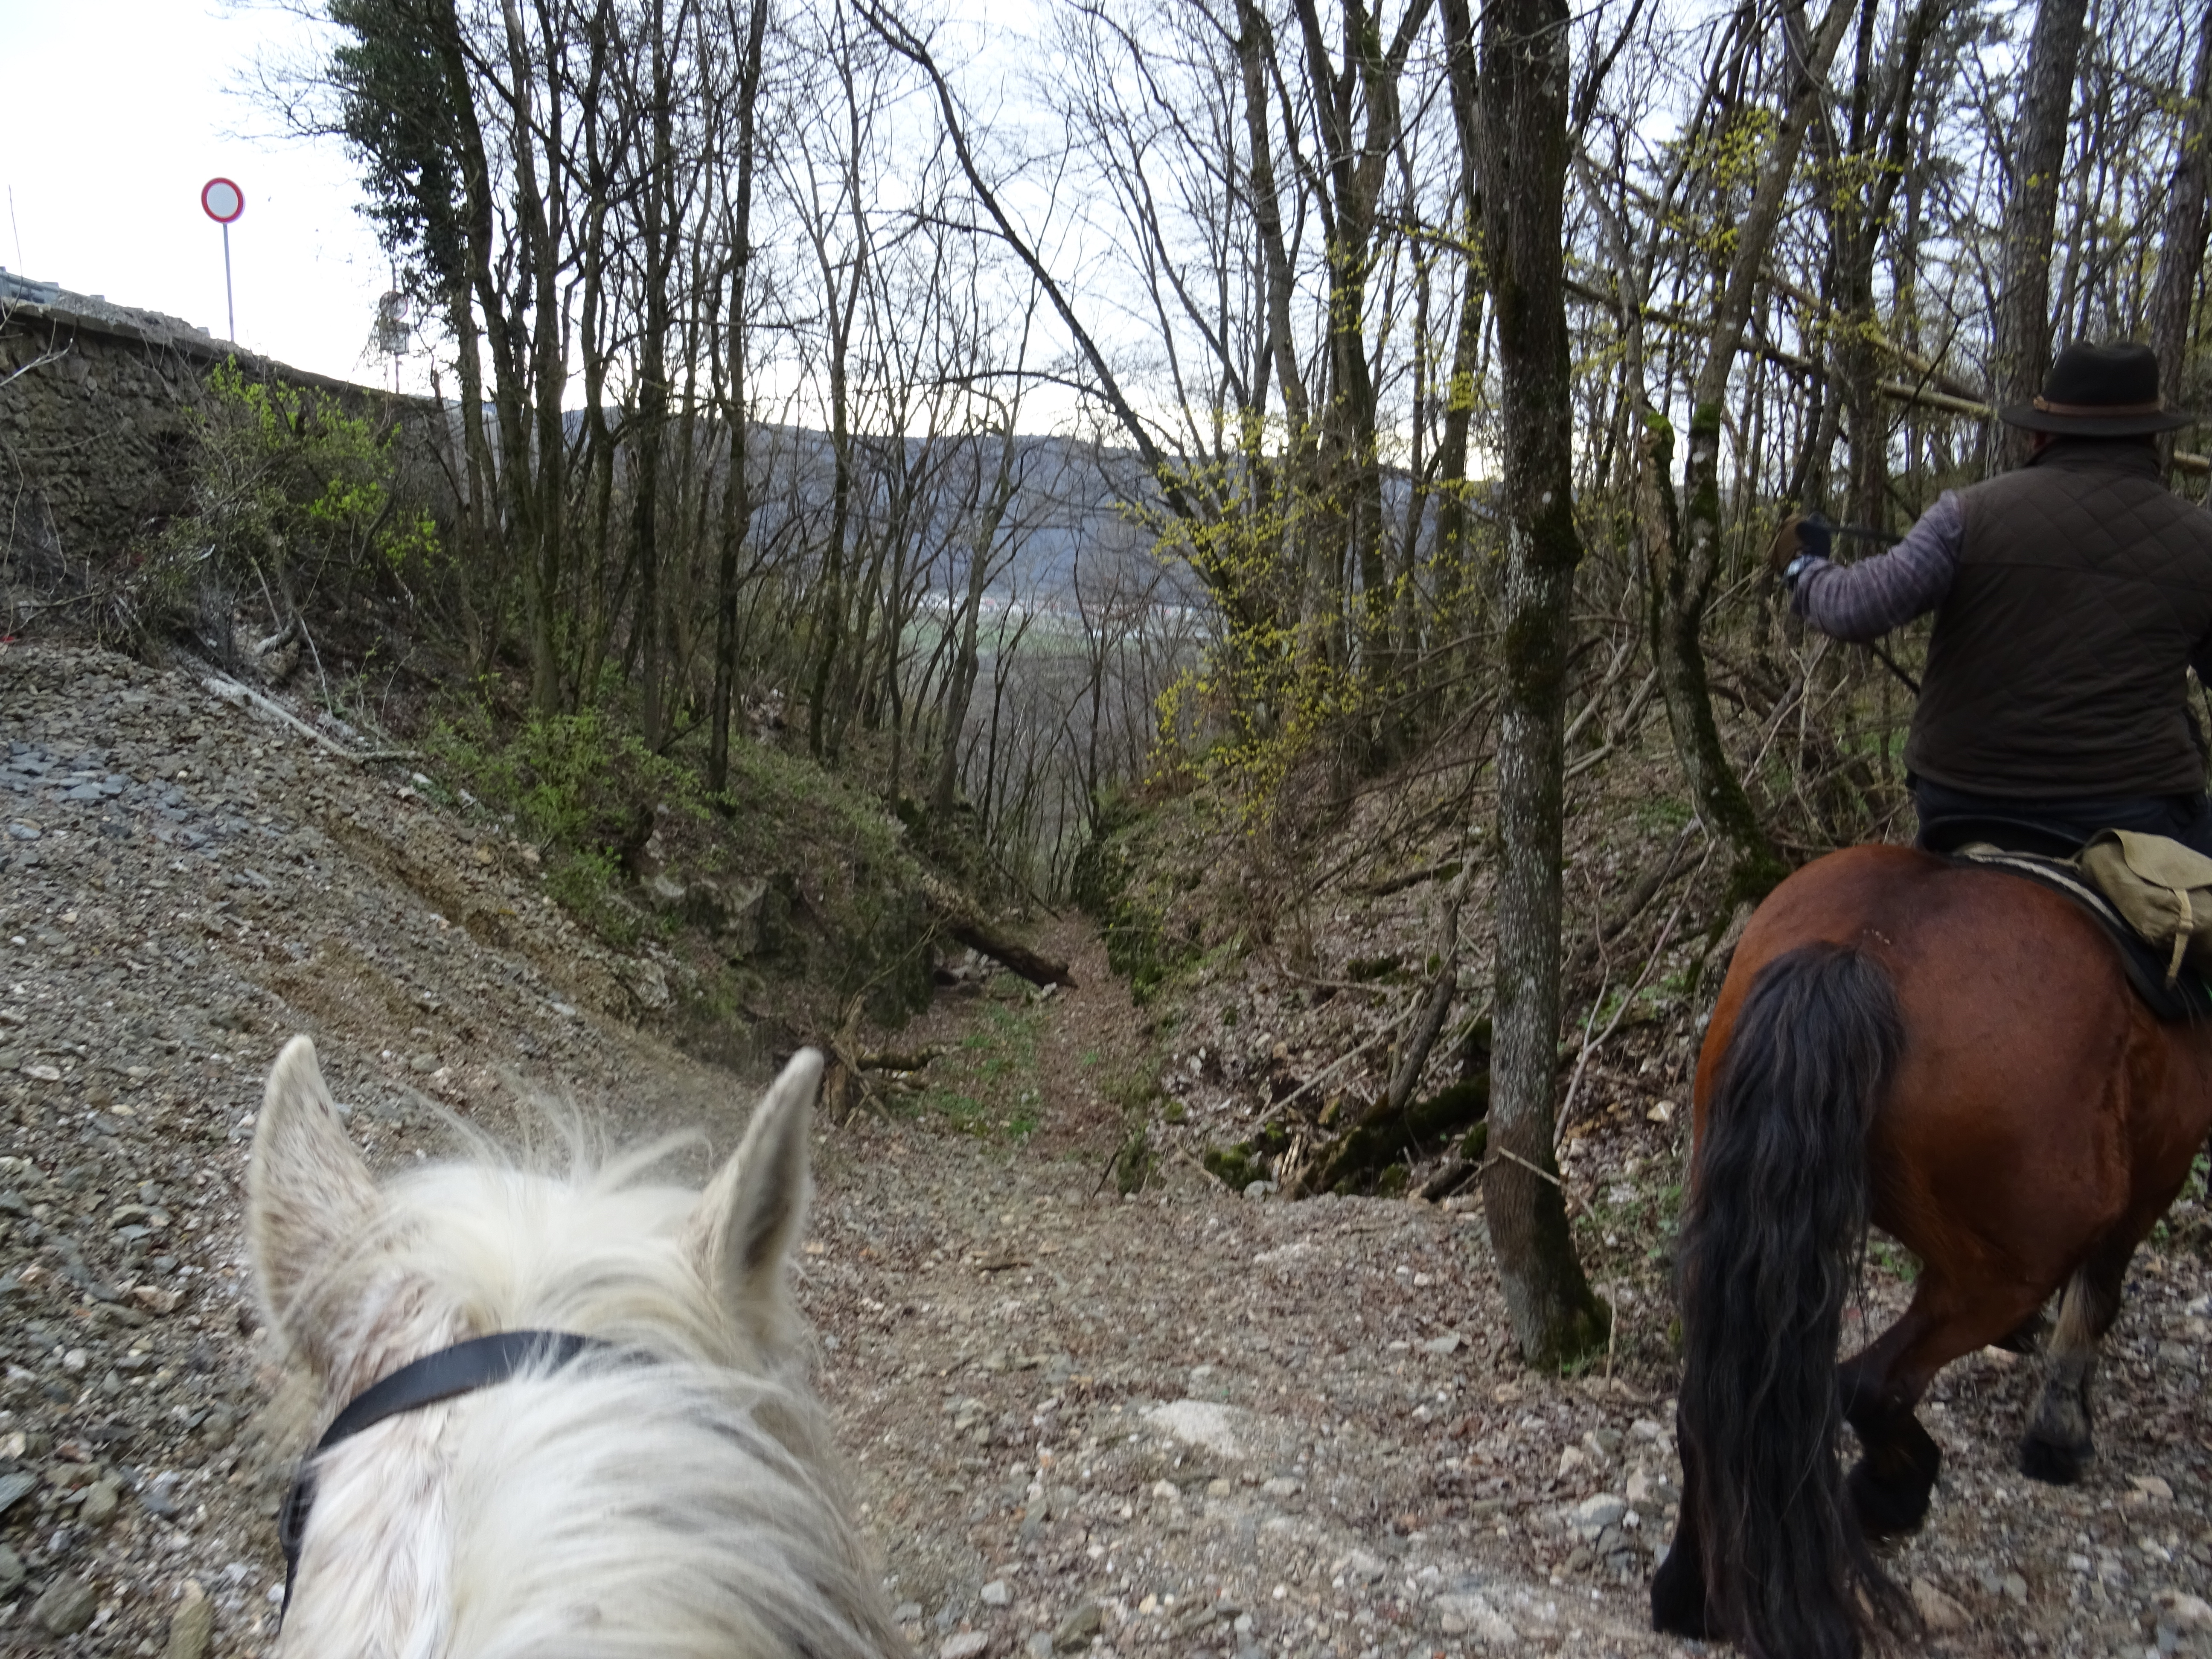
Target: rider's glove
1802 537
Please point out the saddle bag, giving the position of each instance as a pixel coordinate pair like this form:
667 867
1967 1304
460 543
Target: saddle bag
2162 888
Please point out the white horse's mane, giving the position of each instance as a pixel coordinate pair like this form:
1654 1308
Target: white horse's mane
672 1493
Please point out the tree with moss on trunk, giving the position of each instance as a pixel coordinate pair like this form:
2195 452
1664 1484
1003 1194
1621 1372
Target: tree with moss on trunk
1556 1317
2181 248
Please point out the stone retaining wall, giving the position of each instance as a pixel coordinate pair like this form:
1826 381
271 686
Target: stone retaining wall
94 428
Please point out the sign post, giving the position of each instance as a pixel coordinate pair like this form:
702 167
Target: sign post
222 202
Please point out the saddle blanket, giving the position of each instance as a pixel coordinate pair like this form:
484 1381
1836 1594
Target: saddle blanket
2187 997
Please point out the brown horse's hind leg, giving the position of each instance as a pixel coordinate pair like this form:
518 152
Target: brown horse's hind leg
1678 1587
1881 1386
1891 1483
2058 1445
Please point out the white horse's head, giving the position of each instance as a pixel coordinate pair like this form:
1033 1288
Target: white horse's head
669 1491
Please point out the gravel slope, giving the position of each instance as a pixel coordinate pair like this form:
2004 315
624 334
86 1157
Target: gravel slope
1183 1423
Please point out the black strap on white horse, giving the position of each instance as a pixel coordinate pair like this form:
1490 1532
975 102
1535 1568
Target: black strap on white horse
462 1368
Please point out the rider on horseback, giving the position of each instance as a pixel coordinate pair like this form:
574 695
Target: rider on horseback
2070 598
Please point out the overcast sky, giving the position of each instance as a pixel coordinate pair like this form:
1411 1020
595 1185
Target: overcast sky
116 113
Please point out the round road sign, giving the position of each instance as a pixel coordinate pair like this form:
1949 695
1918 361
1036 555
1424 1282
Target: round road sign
223 199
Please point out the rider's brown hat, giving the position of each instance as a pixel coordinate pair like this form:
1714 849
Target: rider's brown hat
2099 391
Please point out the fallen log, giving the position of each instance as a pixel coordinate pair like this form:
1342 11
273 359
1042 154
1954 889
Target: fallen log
871 1059
232 692
1461 1170
958 917
1382 1137
1399 883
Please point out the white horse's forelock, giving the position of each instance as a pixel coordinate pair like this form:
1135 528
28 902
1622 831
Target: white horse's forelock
672 1492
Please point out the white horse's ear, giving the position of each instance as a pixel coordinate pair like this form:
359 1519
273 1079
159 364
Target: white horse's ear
751 1213
309 1197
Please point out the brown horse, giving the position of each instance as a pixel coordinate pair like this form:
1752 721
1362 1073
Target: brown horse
1954 1055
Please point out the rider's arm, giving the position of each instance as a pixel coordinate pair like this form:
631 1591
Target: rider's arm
1866 600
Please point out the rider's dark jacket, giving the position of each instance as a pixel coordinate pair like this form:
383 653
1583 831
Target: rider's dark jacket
2069 596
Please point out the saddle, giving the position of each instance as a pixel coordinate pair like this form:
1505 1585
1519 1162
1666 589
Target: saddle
2038 853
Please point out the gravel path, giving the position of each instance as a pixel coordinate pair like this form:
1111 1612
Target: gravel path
1191 1410
1185 1423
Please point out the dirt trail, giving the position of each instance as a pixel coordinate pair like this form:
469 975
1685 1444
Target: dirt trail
1190 1409
1183 1423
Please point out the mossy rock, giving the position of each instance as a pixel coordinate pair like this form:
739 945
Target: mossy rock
1115 880
1233 1166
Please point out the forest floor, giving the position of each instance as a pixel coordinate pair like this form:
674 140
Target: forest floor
1185 1422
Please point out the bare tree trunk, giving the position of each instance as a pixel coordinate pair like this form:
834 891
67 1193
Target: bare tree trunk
1255 48
1555 1316
1454 564
515 529
737 499
1686 566
2021 342
842 292
660 234
1348 507
2181 249
482 544
1868 502
538 218
603 137
960 688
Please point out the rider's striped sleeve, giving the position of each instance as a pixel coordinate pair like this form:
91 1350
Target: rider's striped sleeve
1865 600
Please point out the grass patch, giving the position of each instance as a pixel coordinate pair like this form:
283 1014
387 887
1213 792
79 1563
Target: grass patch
988 1085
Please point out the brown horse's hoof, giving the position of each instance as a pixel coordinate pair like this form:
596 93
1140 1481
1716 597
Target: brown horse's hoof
2053 1464
1677 1598
1887 1511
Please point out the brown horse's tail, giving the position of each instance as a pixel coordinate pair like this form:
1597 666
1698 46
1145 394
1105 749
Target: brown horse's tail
1771 1242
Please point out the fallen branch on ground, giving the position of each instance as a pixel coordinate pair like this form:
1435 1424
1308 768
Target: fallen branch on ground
882 1061
958 917
231 691
1399 883
1455 1174
1655 881
1382 1137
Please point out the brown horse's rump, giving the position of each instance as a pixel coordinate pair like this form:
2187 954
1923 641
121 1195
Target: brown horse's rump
1962 1048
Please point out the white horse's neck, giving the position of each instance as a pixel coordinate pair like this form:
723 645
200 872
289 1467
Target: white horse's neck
609 1509
671 1494
375 1579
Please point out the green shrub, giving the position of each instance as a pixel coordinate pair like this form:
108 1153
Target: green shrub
1120 879
843 905
291 500
577 783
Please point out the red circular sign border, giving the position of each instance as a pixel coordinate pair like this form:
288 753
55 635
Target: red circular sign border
234 191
